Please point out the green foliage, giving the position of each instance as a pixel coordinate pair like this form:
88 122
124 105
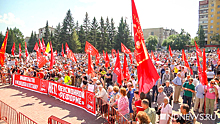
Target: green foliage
215 39
152 42
82 38
103 41
177 42
94 33
74 43
57 40
201 36
86 27
46 34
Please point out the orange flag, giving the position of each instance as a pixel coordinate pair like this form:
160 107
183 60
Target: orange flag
147 74
3 49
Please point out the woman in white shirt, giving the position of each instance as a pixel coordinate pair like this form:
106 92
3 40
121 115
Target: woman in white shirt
165 112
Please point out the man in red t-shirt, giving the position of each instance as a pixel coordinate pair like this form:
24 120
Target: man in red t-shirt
138 98
40 74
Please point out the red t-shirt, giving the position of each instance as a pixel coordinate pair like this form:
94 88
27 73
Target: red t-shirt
138 106
40 74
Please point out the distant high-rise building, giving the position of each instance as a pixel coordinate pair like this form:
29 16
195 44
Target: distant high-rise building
209 18
161 33
42 31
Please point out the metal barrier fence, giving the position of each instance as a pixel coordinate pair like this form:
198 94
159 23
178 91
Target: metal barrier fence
55 120
5 78
11 116
108 112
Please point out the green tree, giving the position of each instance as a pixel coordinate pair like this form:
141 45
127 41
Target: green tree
46 34
75 44
57 39
77 28
215 38
19 39
82 38
31 42
152 42
103 34
201 36
11 40
2 37
108 30
94 32
112 33
86 27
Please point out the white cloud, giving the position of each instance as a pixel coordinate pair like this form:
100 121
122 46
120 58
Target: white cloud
10 19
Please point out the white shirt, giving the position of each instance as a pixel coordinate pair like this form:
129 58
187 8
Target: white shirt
164 115
195 82
218 91
210 74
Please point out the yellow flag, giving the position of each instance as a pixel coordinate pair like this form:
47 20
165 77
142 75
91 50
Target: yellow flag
48 48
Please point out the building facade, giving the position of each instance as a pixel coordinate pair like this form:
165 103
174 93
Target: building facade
209 18
161 33
42 31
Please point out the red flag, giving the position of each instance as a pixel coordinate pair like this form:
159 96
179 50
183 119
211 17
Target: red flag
218 52
36 48
43 45
97 59
90 48
199 69
112 54
204 75
118 70
152 56
62 53
90 68
13 49
185 59
41 60
26 51
52 61
55 53
107 60
104 55
131 58
114 51
147 74
198 50
171 54
124 49
67 49
20 50
71 56
3 49
125 68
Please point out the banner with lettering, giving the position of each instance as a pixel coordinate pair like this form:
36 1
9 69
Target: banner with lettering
31 83
73 95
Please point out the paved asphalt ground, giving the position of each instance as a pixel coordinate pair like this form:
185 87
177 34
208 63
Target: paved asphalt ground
40 107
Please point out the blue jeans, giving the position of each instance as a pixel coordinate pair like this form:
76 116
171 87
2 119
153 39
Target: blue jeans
187 100
154 90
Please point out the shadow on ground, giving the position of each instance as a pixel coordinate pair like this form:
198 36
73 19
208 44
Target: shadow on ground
46 100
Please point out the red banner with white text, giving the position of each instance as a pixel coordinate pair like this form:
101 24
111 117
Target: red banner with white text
31 83
73 95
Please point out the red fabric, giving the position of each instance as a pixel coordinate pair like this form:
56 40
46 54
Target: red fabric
97 59
107 60
13 49
104 55
20 50
41 60
112 54
118 70
199 69
62 53
26 51
204 75
40 75
147 74
124 49
90 48
52 61
55 53
137 104
71 56
131 58
218 52
125 69
90 68
171 54
152 56
198 50
67 49
185 59
43 44
36 48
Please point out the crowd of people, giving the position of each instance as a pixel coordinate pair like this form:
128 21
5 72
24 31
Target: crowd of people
176 82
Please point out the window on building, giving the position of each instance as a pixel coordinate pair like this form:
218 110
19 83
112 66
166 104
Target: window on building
218 6
211 32
211 26
217 23
218 12
217 29
211 21
212 16
212 5
152 33
212 10
218 17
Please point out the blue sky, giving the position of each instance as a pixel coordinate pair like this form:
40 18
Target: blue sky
30 15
